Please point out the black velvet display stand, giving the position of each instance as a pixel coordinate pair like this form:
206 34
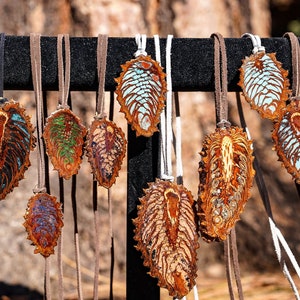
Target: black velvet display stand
192 70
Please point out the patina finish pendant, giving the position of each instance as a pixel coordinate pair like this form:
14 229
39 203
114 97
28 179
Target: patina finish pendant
141 93
226 175
106 148
43 222
265 84
16 142
64 138
286 137
166 233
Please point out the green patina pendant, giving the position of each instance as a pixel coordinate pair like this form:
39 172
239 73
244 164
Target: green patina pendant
64 138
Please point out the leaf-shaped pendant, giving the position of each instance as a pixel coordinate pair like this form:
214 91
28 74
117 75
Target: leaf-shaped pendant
43 222
16 142
141 93
286 137
64 138
264 83
226 175
166 233
106 148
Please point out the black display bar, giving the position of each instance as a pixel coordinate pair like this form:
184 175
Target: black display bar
192 61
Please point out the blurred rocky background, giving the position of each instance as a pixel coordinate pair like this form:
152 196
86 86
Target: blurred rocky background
21 275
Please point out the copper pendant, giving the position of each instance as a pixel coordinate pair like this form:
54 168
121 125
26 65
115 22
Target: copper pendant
226 174
64 138
16 142
286 137
43 222
167 236
141 93
106 148
265 84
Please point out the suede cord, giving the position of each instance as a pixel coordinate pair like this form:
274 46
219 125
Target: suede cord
295 52
35 56
220 63
102 45
63 76
63 66
2 41
221 102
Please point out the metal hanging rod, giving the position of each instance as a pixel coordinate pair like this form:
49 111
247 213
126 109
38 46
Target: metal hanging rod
192 61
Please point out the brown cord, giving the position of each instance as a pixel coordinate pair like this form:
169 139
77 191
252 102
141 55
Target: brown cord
295 51
35 56
227 258
63 86
63 77
220 66
235 261
101 65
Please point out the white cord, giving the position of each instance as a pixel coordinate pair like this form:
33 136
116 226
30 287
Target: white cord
278 239
141 40
169 134
256 42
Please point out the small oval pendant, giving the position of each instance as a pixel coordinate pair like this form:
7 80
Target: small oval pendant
286 137
16 142
43 222
226 174
141 93
64 138
166 232
264 83
106 148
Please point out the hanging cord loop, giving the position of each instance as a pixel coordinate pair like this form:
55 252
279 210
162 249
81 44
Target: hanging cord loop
35 54
101 66
141 40
295 51
220 63
63 76
256 42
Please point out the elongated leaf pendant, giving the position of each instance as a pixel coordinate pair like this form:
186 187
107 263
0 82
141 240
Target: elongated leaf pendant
141 93
106 148
64 138
43 222
16 142
286 137
264 83
226 175
167 236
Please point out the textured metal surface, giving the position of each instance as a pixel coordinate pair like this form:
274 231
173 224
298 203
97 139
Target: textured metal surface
43 222
226 175
166 235
286 137
106 149
64 138
16 142
141 93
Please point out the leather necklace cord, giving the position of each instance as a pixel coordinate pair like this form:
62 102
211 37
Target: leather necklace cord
221 102
2 41
220 73
102 44
295 52
64 67
101 66
35 54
